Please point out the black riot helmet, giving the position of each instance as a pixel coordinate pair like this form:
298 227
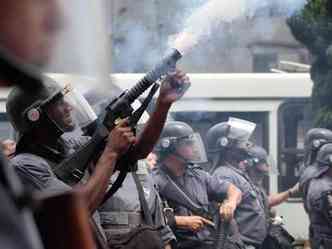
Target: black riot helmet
257 155
324 155
259 159
177 135
229 141
323 160
49 107
314 139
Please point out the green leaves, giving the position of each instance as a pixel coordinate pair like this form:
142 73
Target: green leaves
312 26
315 10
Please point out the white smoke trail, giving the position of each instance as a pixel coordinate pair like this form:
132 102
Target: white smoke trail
204 21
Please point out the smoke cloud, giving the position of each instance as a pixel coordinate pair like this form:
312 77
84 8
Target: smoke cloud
213 27
205 20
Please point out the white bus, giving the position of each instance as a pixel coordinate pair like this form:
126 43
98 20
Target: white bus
280 106
278 103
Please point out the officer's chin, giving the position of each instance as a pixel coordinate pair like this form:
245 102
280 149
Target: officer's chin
69 127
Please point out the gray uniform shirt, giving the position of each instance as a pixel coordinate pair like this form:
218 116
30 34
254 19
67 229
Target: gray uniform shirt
202 188
250 214
319 208
17 228
36 172
116 213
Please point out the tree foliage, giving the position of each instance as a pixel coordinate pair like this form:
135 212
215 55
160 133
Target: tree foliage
312 26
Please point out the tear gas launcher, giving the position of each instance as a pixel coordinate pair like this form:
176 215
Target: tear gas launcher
72 169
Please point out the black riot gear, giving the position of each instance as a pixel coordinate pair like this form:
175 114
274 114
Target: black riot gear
313 140
324 155
53 107
256 155
322 164
217 137
25 109
317 200
174 135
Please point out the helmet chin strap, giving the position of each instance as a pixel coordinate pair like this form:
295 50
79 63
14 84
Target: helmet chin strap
215 163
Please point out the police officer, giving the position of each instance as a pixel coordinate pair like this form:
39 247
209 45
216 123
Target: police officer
227 146
124 211
179 148
41 116
318 202
258 165
314 139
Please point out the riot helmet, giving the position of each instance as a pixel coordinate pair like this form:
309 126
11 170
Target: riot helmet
179 139
259 160
51 106
314 139
324 155
323 161
229 141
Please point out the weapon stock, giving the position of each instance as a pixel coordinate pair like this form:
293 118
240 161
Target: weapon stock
72 169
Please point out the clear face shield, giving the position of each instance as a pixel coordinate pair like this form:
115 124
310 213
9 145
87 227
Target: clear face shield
82 112
67 109
191 148
240 130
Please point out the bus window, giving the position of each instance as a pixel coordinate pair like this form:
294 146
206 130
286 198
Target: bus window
295 119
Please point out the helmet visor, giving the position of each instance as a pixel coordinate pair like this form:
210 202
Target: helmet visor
69 110
240 130
192 148
82 112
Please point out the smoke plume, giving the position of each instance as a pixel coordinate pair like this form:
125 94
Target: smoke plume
205 20
215 27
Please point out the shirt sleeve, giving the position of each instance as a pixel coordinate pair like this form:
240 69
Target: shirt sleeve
217 187
226 174
37 175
